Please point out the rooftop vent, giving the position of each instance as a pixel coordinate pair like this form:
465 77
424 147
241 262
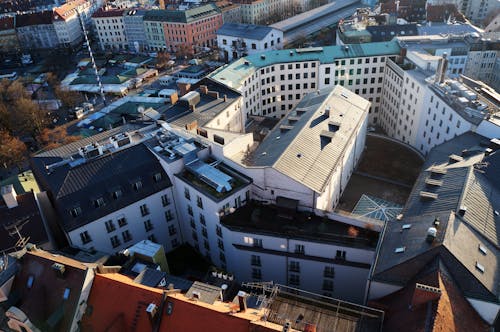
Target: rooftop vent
438 170
431 234
483 249
462 210
91 150
291 53
428 196
433 182
399 250
406 226
285 128
59 268
263 57
247 63
453 158
480 267
120 140
436 222
333 126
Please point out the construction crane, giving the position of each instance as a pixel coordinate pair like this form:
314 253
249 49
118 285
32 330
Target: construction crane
87 43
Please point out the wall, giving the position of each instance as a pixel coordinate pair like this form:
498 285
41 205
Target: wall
487 310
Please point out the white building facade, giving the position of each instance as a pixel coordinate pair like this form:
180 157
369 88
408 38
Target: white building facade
109 28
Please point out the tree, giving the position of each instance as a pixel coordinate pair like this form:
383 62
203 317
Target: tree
12 150
53 138
68 98
184 50
5 118
162 59
27 117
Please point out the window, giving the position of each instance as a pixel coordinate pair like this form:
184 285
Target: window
329 272
110 226
328 285
85 237
115 241
327 80
294 279
220 244
99 202
126 236
256 273
152 238
144 210
257 243
117 194
255 260
204 232
172 230
218 231
148 225
206 245
190 210
168 215
222 257
299 249
202 219
157 177
199 202
165 200
294 266
137 185
186 194
195 236
340 254
122 222
175 243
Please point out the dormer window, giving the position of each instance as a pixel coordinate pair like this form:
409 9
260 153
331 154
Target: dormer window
99 202
117 193
157 177
76 211
137 185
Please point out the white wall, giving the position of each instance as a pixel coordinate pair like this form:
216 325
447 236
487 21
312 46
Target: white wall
487 310
378 289
272 41
135 225
489 129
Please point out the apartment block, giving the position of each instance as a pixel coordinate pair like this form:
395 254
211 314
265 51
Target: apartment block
110 29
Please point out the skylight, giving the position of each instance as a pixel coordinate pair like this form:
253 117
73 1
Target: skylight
400 250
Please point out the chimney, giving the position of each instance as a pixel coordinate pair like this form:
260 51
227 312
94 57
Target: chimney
441 69
174 97
203 89
242 301
161 4
9 196
424 294
214 94
431 234
184 88
310 327
225 98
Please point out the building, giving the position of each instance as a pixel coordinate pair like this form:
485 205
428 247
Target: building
123 303
481 58
231 12
136 202
266 12
237 40
21 220
45 291
133 21
192 30
36 31
424 109
109 28
67 22
446 238
494 25
8 37
154 22
476 11
274 82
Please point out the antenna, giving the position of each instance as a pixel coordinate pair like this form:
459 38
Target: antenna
98 79
15 229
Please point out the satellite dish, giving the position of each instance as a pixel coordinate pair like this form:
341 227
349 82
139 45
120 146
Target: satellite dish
141 109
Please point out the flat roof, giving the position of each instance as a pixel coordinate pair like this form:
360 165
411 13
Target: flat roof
247 31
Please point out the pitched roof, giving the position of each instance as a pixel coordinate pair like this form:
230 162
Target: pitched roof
27 216
36 18
44 301
81 185
408 310
247 31
467 241
7 23
307 144
108 13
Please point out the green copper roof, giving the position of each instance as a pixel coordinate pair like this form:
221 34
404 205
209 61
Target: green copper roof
235 73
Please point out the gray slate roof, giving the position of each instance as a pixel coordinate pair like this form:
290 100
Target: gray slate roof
100 177
247 31
301 152
466 183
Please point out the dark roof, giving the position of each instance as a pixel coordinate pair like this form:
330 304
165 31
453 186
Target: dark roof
182 16
208 107
27 216
43 303
7 23
34 19
272 220
248 31
108 13
461 183
99 178
8 268
150 277
382 33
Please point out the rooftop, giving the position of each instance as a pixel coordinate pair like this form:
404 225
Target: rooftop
308 142
290 223
108 13
183 16
247 31
458 197
234 74
447 29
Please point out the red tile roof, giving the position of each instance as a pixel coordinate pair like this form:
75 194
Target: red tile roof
116 303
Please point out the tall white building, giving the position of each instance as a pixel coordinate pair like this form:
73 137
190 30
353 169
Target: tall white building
274 82
109 28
